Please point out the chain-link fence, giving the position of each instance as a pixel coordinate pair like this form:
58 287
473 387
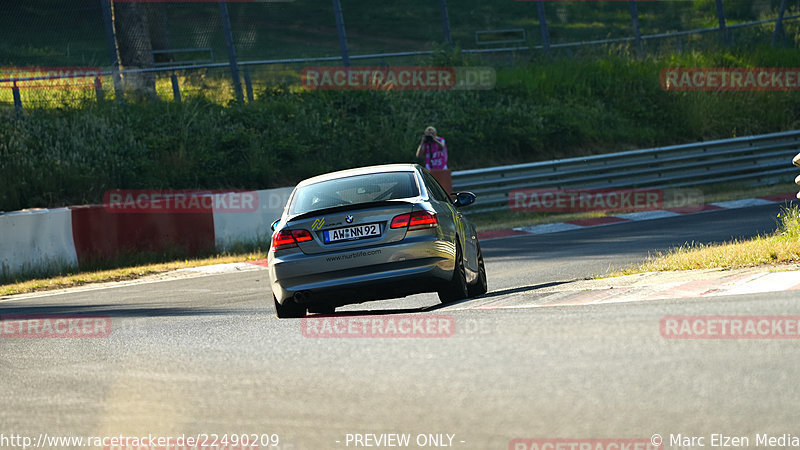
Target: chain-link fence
58 52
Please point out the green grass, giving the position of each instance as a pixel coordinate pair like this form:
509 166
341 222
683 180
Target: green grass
781 247
71 150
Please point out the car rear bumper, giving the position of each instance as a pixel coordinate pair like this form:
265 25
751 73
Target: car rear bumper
413 265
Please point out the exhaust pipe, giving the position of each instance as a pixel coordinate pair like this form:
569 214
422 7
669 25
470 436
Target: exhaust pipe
302 296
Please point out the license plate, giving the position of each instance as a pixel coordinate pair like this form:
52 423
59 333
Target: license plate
352 233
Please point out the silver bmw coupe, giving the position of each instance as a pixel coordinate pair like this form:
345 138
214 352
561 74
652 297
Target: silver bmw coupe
372 233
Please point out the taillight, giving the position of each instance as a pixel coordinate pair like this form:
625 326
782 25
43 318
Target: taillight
417 220
422 219
289 238
401 221
301 235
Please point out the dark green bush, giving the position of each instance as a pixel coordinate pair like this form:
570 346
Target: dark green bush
71 155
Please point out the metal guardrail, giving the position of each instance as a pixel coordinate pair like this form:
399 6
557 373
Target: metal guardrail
753 159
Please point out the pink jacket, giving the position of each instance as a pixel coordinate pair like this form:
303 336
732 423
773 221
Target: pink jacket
435 156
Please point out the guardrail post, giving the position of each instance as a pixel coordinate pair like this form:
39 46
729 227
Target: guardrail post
337 12
726 37
226 26
17 98
445 22
779 32
543 26
112 49
176 89
98 89
637 32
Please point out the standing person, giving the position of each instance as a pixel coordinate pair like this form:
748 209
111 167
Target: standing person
433 149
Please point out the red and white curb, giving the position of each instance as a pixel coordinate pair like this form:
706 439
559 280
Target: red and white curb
743 282
213 269
634 217
549 228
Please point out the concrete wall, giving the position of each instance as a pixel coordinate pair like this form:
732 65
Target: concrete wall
231 228
37 240
47 240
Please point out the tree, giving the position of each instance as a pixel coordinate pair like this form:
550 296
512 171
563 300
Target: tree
134 47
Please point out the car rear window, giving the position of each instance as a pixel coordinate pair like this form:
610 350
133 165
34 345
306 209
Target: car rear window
354 190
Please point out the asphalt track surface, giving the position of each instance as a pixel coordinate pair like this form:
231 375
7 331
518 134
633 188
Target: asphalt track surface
206 355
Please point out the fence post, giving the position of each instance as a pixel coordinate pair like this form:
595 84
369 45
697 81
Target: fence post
779 34
17 98
445 22
337 12
726 38
112 49
226 26
176 89
98 88
248 84
637 32
543 26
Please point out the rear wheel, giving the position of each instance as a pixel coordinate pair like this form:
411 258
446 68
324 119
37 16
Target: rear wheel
289 310
481 286
456 289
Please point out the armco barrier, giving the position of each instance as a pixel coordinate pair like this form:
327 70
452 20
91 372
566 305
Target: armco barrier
231 228
36 240
749 160
101 235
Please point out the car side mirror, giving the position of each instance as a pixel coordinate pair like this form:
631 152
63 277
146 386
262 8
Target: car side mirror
464 199
275 224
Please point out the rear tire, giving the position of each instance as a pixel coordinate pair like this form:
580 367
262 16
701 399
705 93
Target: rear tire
481 285
456 289
288 310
